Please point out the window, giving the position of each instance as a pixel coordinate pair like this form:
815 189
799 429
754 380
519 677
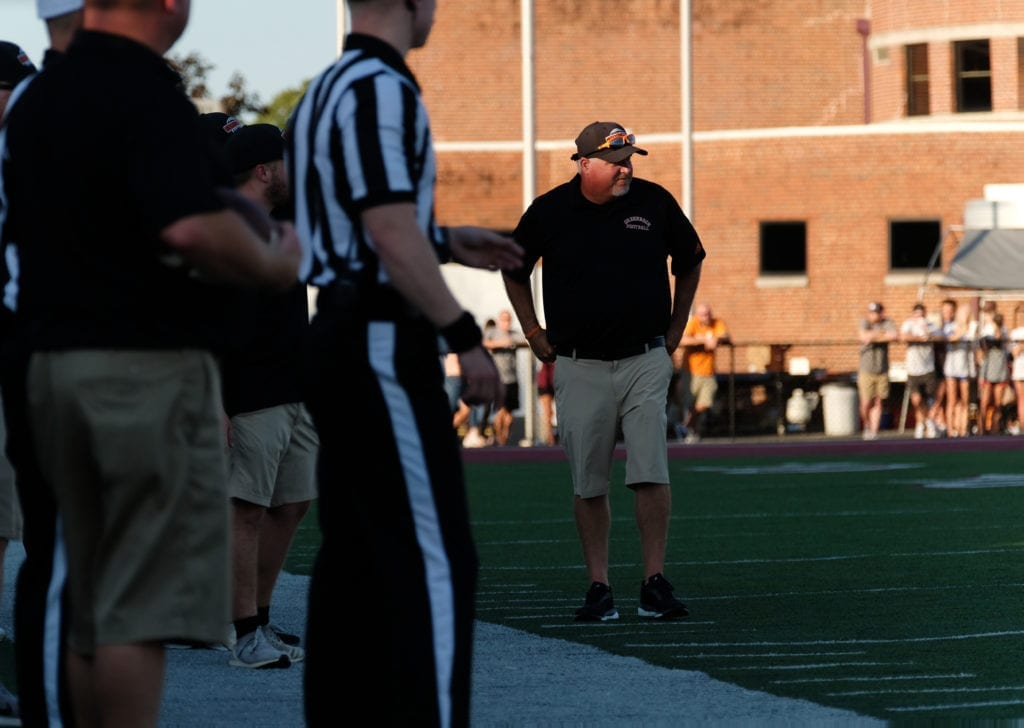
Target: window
917 80
783 248
973 75
912 243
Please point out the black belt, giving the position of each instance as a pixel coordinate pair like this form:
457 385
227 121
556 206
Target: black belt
621 352
375 303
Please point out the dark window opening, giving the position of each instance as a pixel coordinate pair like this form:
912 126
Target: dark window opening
912 243
784 247
973 75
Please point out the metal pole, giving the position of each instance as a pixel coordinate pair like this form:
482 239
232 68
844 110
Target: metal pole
529 190
686 103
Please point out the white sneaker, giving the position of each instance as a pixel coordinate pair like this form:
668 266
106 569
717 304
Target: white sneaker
294 652
255 652
869 435
919 430
930 430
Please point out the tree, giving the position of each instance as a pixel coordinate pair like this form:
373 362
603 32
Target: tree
282 105
240 100
193 69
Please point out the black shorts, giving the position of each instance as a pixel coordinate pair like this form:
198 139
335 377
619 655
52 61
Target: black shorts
924 384
511 401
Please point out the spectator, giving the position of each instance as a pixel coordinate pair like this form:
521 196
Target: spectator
958 366
503 342
993 374
919 335
876 332
605 238
546 398
481 432
703 335
1017 376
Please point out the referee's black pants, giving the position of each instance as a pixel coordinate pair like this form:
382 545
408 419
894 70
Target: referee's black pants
394 582
40 604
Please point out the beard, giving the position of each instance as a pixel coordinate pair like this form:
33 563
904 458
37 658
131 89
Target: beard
619 190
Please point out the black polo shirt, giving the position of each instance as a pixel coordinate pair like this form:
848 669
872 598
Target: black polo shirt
604 270
105 152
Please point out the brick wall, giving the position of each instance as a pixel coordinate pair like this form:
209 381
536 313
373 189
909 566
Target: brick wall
757 65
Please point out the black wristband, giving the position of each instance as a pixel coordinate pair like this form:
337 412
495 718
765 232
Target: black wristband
462 335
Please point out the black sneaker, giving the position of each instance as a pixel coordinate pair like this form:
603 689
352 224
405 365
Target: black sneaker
598 606
657 602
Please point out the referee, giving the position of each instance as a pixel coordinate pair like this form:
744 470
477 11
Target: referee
395 527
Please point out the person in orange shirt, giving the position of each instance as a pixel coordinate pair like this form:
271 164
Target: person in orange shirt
703 335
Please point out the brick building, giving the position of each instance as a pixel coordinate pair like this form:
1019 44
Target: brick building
834 143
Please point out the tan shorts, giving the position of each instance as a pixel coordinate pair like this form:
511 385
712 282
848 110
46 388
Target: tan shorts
10 507
870 386
132 443
273 456
592 396
702 390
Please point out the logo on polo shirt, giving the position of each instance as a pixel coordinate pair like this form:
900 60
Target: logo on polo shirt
638 223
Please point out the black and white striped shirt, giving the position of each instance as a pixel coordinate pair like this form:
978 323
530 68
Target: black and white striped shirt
359 138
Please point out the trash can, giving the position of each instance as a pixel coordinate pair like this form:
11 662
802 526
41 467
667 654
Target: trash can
839 409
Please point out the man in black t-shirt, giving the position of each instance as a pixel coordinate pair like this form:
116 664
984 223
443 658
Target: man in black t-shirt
122 243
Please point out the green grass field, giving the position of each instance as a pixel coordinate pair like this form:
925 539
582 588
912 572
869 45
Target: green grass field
890 585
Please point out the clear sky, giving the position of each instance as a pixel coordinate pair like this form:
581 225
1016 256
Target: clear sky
274 45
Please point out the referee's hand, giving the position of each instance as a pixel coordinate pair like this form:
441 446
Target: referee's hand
480 379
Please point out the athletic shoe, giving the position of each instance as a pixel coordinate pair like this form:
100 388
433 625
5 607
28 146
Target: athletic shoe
692 438
919 431
294 652
657 602
287 637
253 651
598 605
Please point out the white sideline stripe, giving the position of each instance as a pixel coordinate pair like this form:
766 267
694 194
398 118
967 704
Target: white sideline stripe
815 665
916 691
958 676
955 706
717 655
734 516
795 560
890 641
864 590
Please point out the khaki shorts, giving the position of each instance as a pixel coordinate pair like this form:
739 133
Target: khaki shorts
702 390
132 443
273 456
591 397
870 386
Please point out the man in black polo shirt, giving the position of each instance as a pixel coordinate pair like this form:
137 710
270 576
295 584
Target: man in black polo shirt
121 236
273 441
611 322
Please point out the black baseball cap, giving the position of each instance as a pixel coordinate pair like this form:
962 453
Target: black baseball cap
254 144
15 65
219 126
606 140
